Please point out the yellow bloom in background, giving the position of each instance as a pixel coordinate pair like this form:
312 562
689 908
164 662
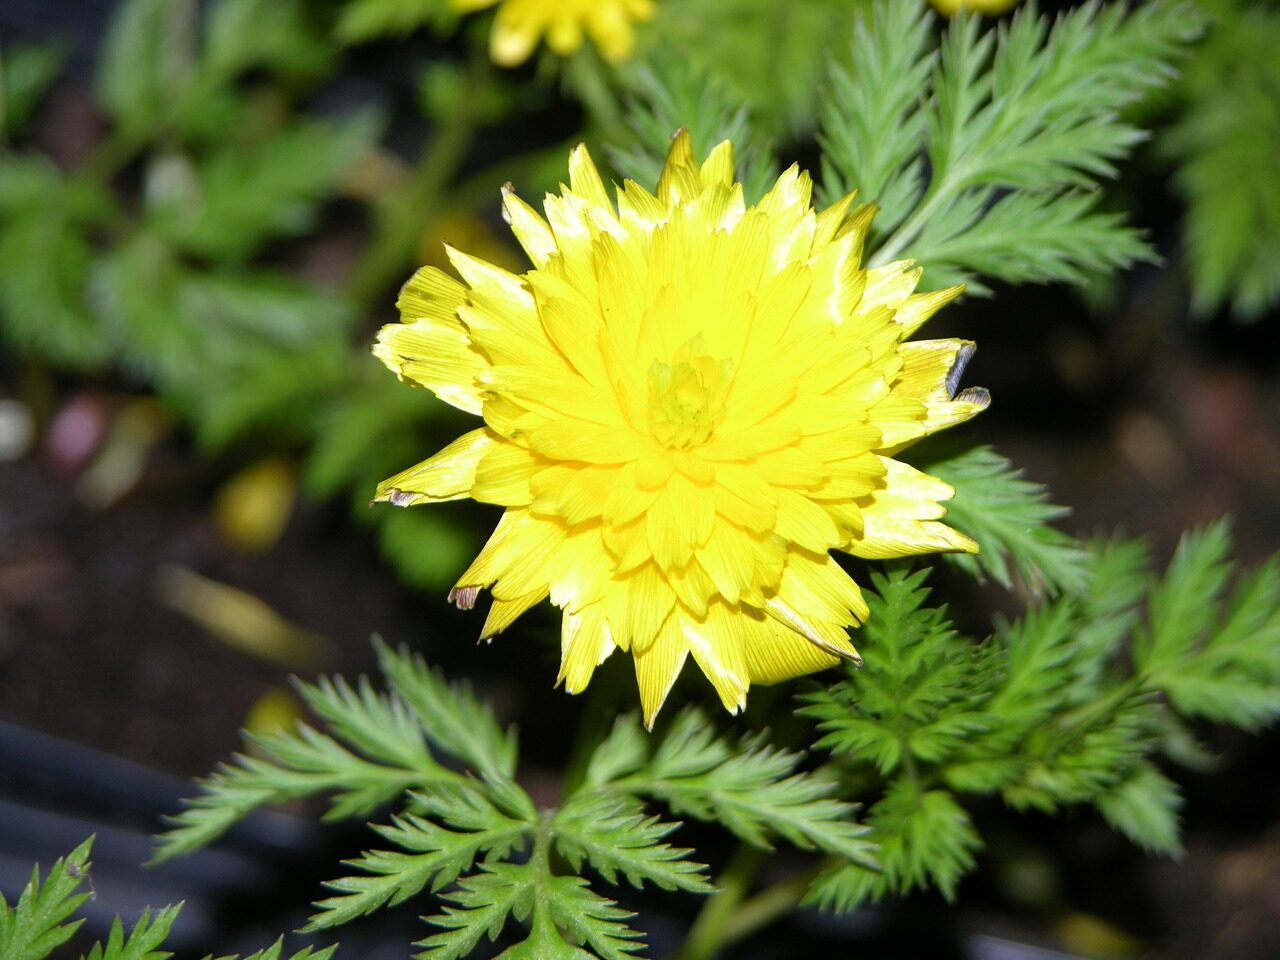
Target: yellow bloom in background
520 24
988 8
687 403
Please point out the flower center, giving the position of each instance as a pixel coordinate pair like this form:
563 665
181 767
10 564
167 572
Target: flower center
686 397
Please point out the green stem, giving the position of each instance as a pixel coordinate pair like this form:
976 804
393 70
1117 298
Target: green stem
769 905
911 229
586 74
707 935
730 916
402 216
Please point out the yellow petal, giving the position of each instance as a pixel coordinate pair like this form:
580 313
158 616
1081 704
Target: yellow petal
529 228
717 645
503 613
436 355
774 653
585 643
657 668
900 518
430 293
449 475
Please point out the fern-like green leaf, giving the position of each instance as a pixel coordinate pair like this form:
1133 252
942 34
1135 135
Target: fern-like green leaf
584 917
478 908
26 72
276 952
452 717
916 698
751 789
241 195
614 835
363 20
376 752
562 913
871 122
41 920
147 58
1229 129
272 34
434 854
769 54
143 941
669 93
1016 125
1214 657
1010 519
924 837
1145 807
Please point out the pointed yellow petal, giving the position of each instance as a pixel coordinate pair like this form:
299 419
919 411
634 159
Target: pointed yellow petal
774 653
529 228
919 307
449 475
503 475
584 178
900 518
657 668
430 293
437 355
585 643
503 613
717 169
681 180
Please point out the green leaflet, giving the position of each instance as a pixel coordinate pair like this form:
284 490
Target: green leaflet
1229 124
1014 124
1049 712
1010 518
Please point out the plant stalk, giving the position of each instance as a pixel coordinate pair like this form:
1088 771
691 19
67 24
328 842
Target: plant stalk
730 916
401 217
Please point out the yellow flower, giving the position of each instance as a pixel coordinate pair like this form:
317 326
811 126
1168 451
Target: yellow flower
988 8
687 403
520 24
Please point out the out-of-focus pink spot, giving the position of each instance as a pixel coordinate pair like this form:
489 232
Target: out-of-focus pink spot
77 432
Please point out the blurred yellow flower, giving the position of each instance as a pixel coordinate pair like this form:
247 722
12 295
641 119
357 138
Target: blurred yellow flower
687 403
520 24
988 8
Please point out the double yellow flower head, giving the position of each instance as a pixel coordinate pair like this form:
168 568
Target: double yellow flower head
687 404
520 24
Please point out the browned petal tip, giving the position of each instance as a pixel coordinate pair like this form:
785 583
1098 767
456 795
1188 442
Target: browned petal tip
399 498
464 598
978 396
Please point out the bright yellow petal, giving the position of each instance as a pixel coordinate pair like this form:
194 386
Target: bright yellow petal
437 355
774 653
688 404
657 667
449 475
585 643
901 518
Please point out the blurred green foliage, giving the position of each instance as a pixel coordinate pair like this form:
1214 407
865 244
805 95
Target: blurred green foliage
180 253
235 232
1225 144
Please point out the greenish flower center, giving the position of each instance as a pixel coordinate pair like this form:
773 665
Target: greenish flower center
686 397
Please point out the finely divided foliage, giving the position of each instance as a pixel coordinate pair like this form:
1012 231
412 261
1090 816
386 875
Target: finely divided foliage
471 835
1069 704
983 152
44 919
1010 517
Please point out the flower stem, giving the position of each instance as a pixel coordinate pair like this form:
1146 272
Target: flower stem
729 915
401 217
707 935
